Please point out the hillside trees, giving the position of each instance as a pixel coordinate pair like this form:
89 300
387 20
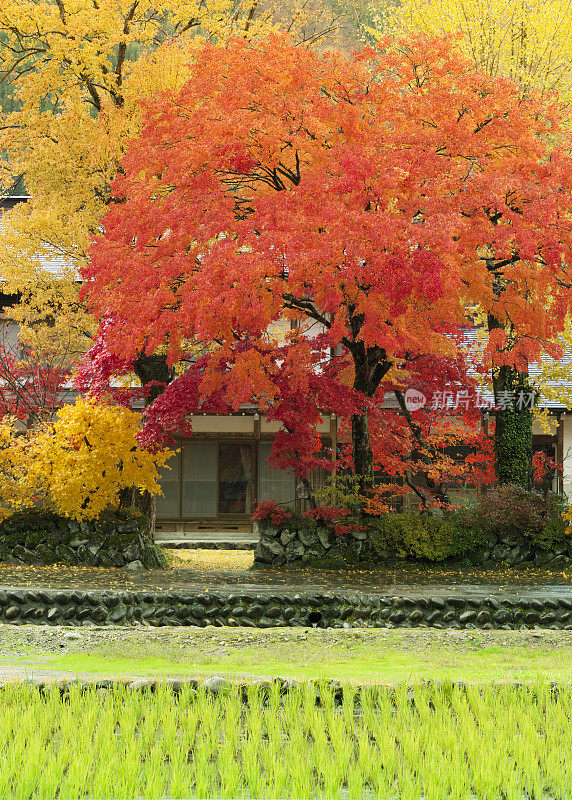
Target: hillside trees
366 199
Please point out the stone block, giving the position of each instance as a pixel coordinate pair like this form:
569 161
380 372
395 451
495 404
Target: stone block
309 538
273 546
327 539
287 536
294 550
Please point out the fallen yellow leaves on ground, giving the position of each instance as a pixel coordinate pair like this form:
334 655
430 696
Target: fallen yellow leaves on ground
210 559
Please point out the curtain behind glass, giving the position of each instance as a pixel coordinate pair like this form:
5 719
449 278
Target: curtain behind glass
274 484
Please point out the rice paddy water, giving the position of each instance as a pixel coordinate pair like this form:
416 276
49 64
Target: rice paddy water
432 742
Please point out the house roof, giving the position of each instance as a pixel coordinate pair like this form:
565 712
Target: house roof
537 370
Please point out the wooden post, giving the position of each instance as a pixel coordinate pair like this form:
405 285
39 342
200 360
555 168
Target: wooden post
255 461
334 445
560 454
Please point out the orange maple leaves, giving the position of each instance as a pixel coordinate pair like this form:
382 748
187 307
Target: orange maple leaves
372 196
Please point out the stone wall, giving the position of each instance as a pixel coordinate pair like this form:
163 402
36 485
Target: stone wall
34 536
294 546
469 609
289 545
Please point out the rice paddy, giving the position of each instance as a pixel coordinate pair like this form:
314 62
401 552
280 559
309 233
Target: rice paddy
432 742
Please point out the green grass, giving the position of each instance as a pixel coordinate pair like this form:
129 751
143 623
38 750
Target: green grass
490 743
360 656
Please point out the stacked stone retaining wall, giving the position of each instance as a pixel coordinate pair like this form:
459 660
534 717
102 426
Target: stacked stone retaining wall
114 540
339 609
289 546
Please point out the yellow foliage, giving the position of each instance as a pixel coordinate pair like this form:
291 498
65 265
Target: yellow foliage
19 488
529 43
89 455
53 324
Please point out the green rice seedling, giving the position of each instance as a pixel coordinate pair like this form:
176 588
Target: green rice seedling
319 757
272 720
253 776
355 781
180 777
348 707
153 772
129 777
229 768
31 765
366 755
51 774
189 721
556 763
409 785
279 783
203 770
525 746
73 782
302 783
448 743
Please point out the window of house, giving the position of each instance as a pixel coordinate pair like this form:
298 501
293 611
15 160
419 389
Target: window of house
199 479
274 484
170 477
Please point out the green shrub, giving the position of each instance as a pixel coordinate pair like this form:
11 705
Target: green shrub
514 514
433 537
33 521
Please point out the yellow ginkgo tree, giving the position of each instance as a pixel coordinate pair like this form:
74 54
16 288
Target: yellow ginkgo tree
84 460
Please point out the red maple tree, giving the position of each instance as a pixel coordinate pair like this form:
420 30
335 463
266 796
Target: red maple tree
322 223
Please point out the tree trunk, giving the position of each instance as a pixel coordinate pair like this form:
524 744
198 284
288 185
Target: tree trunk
513 417
147 369
370 366
362 452
153 368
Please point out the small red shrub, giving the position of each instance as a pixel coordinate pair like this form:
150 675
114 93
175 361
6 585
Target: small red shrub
268 511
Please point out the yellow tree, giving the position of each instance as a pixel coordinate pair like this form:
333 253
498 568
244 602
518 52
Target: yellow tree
89 456
528 43
79 464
